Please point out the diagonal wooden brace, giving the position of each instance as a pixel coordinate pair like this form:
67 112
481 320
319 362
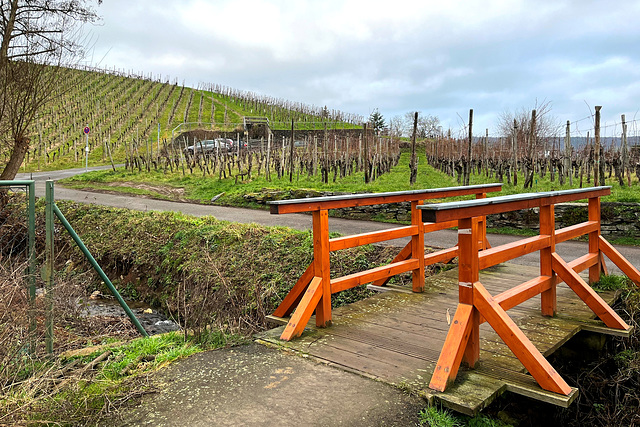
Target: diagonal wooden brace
453 348
291 301
616 257
404 254
304 310
516 340
587 294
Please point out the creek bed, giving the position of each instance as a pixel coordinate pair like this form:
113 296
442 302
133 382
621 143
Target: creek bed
153 321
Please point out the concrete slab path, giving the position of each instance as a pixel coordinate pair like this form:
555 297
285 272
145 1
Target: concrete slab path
254 385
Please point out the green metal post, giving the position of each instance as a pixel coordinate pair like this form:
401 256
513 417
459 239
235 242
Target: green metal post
48 269
98 270
31 188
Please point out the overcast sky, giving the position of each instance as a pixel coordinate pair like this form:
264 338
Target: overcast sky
438 57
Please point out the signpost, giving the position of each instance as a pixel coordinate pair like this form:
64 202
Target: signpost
86 149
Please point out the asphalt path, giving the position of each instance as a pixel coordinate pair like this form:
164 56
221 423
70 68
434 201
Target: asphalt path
439 239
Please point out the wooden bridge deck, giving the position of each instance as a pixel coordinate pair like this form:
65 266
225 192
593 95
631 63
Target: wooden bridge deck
396 337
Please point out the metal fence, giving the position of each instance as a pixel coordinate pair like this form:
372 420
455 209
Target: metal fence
17 236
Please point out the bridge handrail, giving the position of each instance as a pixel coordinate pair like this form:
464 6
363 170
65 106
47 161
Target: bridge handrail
448 211
313 289
367 199
476 305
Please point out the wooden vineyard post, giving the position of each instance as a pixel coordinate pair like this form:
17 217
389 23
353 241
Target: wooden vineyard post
547 227
321 265
417 246
594 215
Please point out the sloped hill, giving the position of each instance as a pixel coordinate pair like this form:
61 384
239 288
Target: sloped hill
120 107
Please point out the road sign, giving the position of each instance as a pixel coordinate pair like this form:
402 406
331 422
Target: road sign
86 130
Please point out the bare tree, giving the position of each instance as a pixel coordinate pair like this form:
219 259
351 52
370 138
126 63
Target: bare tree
39 38
428 126
396 126
546 124
530 131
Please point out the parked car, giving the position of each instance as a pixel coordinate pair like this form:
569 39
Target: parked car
208 146
234 144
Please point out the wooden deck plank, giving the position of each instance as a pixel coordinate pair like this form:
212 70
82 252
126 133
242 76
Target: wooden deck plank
397 337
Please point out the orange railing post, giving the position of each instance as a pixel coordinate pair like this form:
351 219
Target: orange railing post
548 227
468 274
474 299
321 265
417 246
482 227
594 215
463 339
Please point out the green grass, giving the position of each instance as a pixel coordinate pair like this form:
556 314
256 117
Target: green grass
202 188
199 188
513 231
612 282
434 416
157 350
85 399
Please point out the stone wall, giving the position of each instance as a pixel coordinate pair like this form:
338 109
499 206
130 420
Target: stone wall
618 219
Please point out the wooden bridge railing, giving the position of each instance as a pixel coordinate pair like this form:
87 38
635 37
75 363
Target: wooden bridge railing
312 292
476 305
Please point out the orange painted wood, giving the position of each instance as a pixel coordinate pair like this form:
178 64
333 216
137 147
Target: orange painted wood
334 202
373 237
509 251
594 215
603 265
453 349
616 257
290 302
472 349
468 274
523 292
352 280
518 343
303 313
433 226
568 233
587 294
404 254
468 271
487 245
417 247
548 303
321 265
582 263
482 226
444 255
476 208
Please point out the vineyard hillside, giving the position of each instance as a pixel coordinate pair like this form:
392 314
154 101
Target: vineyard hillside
125 111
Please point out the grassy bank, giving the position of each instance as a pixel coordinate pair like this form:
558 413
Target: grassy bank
217 279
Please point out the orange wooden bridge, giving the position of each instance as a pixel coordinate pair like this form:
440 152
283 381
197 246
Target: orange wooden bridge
407 338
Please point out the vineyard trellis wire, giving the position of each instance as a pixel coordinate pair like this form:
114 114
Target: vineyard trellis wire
331 152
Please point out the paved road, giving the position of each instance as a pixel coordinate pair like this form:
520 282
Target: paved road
439 239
